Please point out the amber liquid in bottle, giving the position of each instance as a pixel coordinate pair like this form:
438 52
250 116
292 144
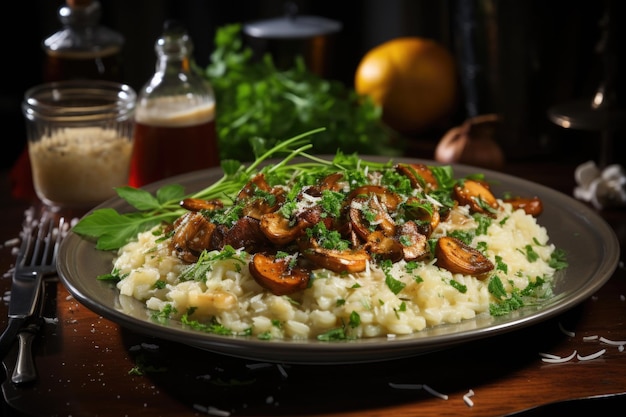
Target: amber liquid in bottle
172 144
103 65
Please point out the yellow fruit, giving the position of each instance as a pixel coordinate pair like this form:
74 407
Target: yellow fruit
413 79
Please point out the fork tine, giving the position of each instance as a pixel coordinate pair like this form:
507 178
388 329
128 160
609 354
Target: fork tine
41 242
25 247
41 234
49 247
57 240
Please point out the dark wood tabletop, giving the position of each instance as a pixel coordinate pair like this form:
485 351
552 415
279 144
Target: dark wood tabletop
89 366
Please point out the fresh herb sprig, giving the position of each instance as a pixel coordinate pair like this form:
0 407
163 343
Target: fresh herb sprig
113 229
257 99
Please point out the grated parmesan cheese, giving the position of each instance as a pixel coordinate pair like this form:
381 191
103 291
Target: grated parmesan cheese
613 342
435 393
282 371
212 411
419 386
261 365
549 355
80 166
467 398
566 332
592 356
405 386
558 359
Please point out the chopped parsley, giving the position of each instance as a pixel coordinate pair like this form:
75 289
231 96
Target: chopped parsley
518 298
484 205
142 366
206 260
355 320
114 276
393 284
328 239
465 236
331 203
530 253
211 327
505 303
163 316
333 334
558 259
266 335
226 216
460 287
501 266
483 223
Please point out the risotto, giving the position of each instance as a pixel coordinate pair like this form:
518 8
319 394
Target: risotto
219 288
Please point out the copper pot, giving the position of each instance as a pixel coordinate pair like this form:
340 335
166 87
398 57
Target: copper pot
292 35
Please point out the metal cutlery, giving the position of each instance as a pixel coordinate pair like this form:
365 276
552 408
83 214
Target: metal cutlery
36 259
25 370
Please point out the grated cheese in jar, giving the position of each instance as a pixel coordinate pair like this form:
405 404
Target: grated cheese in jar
79 166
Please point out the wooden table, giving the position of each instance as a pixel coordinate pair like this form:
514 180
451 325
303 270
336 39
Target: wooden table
90 366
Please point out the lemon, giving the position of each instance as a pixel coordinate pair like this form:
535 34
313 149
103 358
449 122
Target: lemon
413 79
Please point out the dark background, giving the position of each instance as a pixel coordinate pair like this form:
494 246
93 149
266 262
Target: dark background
531 54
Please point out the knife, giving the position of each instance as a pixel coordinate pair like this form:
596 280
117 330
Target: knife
25 370
27 279
23 290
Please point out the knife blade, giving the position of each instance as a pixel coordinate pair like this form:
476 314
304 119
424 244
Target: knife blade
38 246
25 370
24 292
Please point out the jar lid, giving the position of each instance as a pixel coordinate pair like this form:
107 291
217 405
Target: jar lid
292 26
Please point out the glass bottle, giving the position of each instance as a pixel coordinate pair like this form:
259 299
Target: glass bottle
175 115
83 49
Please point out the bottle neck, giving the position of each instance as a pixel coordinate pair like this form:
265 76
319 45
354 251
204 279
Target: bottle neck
82 32
174 50
174 74
173 64
79 17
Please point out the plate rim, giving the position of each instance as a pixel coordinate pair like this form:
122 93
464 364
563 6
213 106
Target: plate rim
362 350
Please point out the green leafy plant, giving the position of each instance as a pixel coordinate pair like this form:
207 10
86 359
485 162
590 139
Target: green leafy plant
255 99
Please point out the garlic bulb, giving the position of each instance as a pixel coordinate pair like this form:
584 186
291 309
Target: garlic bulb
602 188
472 143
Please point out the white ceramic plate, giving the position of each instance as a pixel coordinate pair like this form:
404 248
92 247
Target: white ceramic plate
590 244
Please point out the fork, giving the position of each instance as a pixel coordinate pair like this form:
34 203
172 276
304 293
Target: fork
36 259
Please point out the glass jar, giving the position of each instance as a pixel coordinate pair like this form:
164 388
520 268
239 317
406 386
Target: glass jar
79 140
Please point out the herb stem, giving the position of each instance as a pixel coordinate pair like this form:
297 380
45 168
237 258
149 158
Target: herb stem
296 140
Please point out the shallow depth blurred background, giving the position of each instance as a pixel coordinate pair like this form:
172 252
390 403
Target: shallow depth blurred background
530 55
